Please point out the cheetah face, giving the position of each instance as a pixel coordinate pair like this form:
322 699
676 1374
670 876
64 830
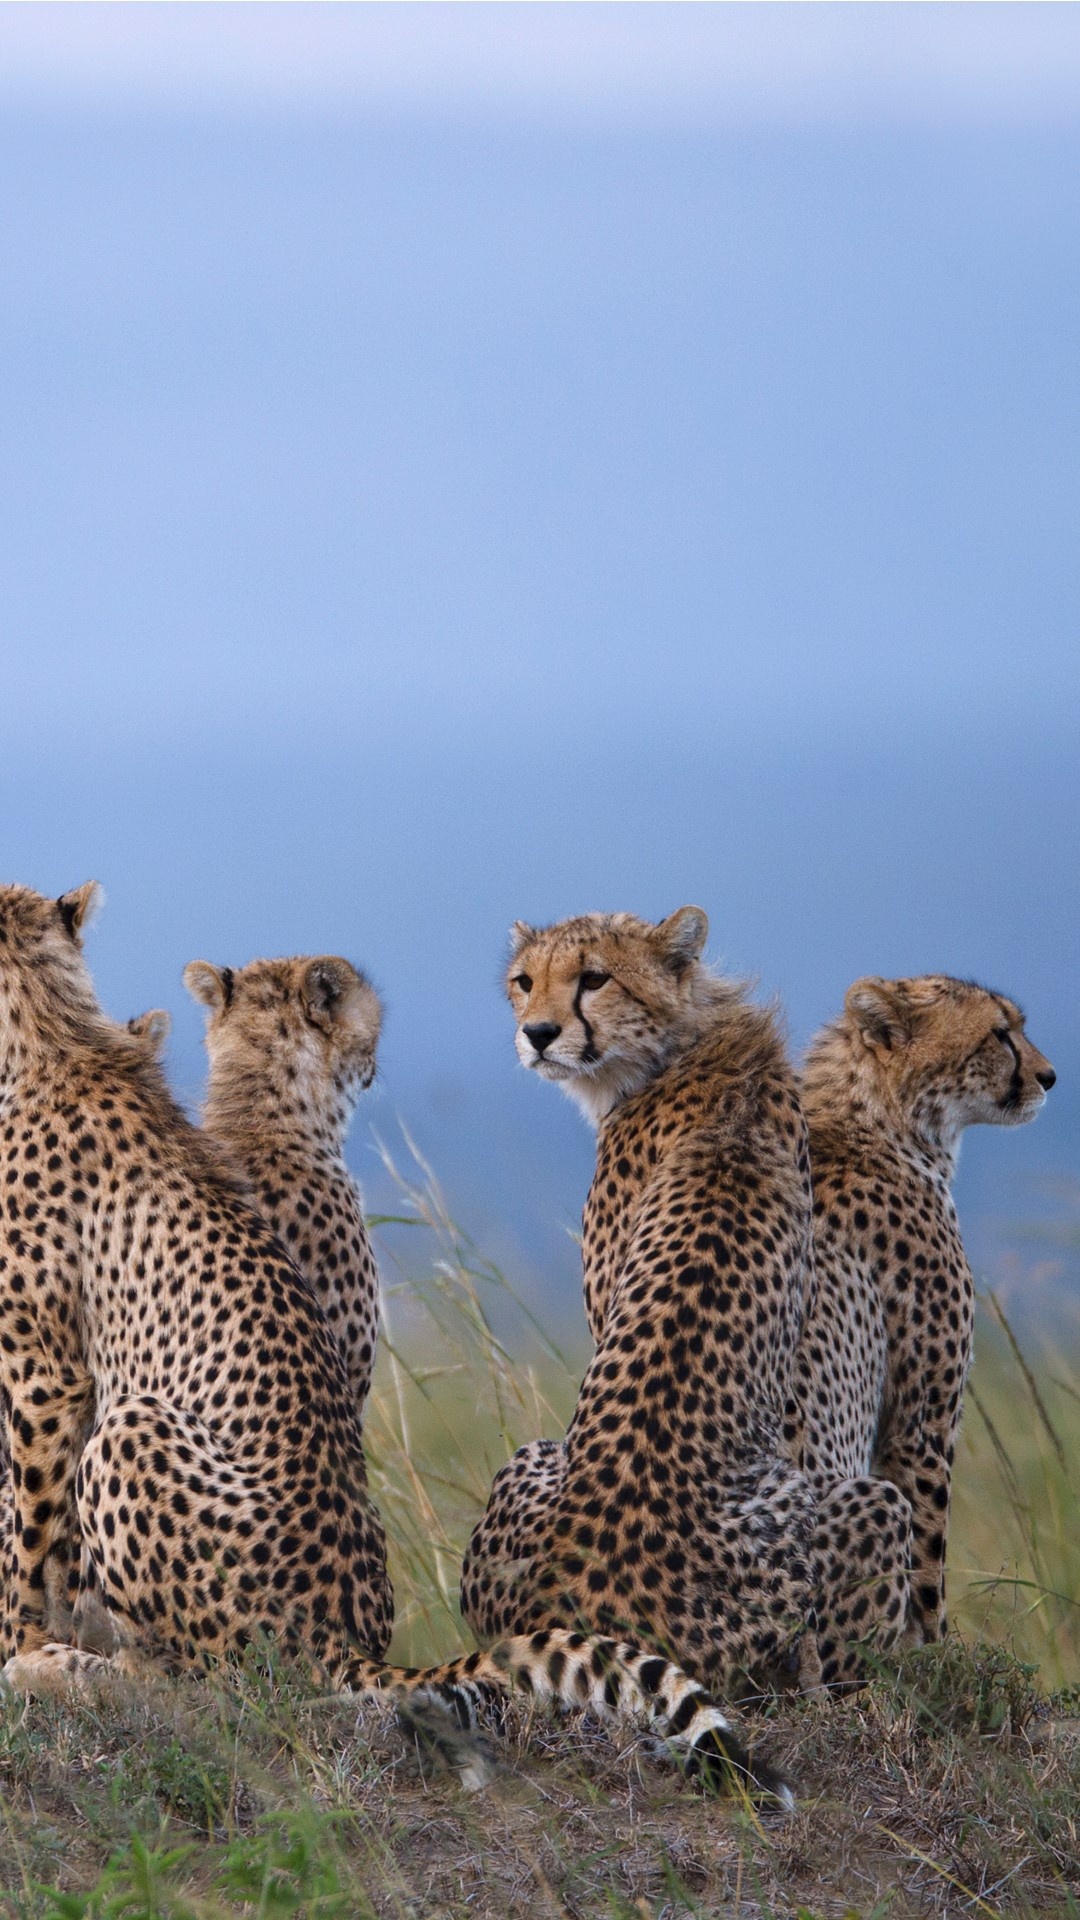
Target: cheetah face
601 1000
1006 1080
952 1054
307 1027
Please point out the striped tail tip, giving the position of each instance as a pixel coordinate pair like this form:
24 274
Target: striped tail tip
436 1733
718 1760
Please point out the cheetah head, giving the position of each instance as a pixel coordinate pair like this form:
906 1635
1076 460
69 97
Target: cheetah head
949 1053
304 1028
603 1002
44 979
52 929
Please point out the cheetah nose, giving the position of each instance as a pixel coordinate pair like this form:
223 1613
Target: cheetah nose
1045 1079
542 1034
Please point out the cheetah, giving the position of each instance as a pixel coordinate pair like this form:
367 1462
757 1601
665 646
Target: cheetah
669 1511
292 1043
888 1089
177 1404
71 1604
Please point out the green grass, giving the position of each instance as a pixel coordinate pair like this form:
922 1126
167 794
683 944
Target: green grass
437 1435
951 1786
1014 1562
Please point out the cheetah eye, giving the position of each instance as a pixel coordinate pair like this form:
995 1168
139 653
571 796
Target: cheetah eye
1002 1033
524 981
591 982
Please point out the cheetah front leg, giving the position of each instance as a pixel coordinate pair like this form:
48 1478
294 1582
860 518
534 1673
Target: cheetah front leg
760 1579
922 1470
511 1543
61 1573
47 1423
861 1553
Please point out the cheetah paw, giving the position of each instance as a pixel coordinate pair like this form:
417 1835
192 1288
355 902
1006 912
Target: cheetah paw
810 1678
132 1664
53 1668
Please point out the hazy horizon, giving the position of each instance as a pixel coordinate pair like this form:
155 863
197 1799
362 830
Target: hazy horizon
470 463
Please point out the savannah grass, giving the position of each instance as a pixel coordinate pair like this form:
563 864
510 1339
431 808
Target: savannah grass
951 1785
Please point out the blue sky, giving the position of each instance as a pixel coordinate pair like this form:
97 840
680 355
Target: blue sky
465 462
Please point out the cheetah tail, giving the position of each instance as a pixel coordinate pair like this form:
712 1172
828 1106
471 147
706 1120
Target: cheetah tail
612 1678
436 1730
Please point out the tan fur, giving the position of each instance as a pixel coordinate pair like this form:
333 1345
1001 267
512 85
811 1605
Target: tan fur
609 1045
292 1043
888 1089
63 1601
670 1506
153 1028
222 1493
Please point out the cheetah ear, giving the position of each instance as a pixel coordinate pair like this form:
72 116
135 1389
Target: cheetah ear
77 908
520 935
324 989
153 1027
879 1013
212 985
681 937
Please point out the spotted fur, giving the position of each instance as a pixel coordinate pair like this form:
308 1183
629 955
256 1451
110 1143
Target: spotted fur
888 1090
178 1405
670 1511
292 1043
71 1600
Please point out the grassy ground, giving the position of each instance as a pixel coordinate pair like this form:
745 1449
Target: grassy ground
951 1786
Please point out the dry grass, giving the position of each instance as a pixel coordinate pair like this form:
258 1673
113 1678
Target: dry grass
952 1786
948 1789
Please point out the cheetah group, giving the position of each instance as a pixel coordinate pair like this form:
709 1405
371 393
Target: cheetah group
754 1488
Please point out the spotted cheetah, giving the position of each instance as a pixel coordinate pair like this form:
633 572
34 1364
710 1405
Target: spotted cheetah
222 1492
292 1043
888 1089
71 1597
670 1509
